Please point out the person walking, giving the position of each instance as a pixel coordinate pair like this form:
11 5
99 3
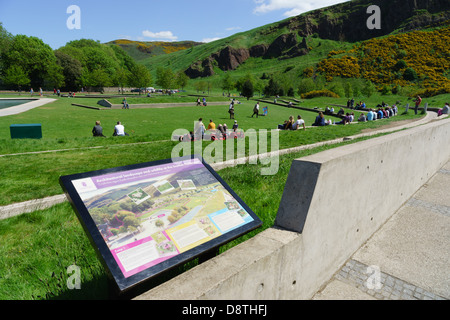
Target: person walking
231 110
418 102
256 110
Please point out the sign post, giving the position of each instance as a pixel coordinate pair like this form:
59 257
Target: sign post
147 218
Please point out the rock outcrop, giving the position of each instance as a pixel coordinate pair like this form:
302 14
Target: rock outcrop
342 22
284 47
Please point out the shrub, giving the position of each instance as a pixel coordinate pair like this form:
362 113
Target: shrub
431 92
319 93
410 74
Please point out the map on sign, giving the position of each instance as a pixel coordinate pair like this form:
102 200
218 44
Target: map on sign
149 215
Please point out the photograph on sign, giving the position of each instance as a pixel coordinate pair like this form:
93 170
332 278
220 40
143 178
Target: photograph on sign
153 213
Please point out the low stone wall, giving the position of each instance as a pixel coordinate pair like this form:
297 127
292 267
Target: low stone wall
332 203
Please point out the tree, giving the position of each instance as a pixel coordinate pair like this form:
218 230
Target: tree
55 77
306 85
165 78
122 78
71 69
368 88
130 221
140 77
273 88
31 54
247 89
5 43
98 78
227 83
200 86
182 79
15 75
348 89
410 74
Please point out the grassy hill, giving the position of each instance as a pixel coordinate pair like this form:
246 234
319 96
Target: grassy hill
301 46
140 50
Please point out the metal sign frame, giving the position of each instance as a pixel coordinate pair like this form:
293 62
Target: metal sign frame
110 261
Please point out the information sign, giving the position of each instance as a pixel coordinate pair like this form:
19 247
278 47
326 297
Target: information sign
147 218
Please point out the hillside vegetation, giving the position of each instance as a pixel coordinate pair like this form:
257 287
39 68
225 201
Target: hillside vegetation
415 59
140 50
333 47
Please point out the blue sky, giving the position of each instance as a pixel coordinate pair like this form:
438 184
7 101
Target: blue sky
150 20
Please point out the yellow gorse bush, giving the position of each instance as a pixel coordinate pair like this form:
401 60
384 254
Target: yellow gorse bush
419 58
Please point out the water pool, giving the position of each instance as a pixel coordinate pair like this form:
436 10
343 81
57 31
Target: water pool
7 103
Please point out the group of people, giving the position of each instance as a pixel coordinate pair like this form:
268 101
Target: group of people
202 102
119 130
222 129
292 124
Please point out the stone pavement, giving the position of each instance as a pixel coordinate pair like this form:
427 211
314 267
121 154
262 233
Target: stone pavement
408 258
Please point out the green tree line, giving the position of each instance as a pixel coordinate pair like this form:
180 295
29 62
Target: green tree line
28 62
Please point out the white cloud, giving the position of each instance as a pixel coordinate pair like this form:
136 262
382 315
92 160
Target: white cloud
233 28
162 35
292 7
206 40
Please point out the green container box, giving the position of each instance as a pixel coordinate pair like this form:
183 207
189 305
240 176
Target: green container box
26 131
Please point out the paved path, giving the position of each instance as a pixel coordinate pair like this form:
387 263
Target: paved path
408 258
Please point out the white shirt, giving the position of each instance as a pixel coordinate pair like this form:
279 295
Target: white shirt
298 123
120 130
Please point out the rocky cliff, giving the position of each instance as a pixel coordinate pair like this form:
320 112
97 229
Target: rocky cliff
342 22
284 47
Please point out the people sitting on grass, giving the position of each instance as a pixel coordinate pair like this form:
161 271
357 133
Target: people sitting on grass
211 125
299 123
370 115
362 118
287 125
119 130
199 129
444 110
320 120
379 114
235 126
97 131
341 112
351 117
345 120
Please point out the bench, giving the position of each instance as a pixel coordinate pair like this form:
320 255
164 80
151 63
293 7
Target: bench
26 131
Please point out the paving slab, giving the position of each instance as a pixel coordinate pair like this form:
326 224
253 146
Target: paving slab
339 290
408 257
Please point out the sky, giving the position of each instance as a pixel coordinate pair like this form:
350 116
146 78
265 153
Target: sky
57 22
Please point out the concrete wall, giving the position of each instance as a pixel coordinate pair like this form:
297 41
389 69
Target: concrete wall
332 203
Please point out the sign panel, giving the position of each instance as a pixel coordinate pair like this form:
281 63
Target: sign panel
147 218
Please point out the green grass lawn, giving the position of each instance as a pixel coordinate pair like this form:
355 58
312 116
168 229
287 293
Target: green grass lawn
38 248
43 244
